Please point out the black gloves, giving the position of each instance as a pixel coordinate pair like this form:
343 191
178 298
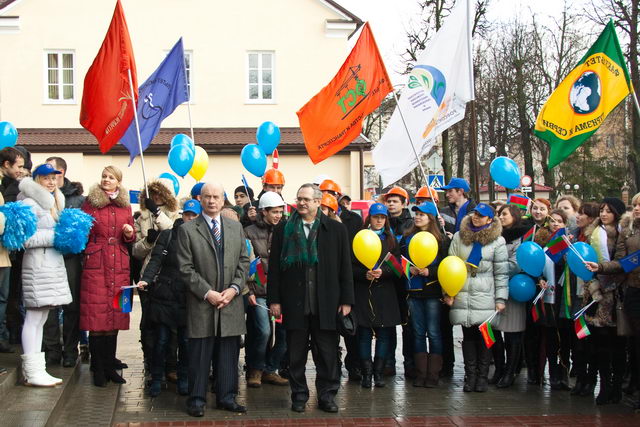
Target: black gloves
151 205
152 235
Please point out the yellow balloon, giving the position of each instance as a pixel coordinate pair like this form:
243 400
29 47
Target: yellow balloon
200 164
367 247
452 273
423 249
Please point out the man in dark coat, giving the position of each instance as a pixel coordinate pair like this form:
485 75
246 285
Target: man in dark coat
214 263
73 262
310 281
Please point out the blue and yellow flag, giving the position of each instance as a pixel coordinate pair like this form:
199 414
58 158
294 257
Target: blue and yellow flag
584 99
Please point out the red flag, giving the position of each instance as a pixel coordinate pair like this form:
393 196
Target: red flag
107 109
333 118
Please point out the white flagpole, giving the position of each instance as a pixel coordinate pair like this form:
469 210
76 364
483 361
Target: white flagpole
415 153
635 102
135 116
186 82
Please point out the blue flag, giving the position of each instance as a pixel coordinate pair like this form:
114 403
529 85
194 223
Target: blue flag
158 97
630 262
253 267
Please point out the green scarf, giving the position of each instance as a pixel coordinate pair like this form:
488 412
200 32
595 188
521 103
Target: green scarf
295 248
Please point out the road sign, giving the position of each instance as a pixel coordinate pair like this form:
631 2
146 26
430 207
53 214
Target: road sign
436 181
526 181
525 189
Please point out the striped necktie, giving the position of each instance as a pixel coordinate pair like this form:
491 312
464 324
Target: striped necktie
216 231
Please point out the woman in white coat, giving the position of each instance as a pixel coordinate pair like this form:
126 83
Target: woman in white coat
44 278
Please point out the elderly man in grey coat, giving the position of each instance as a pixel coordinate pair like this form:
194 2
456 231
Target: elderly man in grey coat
214 262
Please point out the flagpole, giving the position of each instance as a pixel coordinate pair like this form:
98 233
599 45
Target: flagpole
635 102
415 153
135 117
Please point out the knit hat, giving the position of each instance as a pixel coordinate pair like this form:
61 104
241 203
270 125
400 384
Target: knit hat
241 189
615 204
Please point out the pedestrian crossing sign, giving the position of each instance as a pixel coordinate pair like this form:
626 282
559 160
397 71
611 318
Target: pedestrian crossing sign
436 181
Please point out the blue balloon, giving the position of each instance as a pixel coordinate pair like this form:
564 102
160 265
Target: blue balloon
182 139
181 159
576 265
268 137
253 159
521 288
173 179
8 135
531 258
505 172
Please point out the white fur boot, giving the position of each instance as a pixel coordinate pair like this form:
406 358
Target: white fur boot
33 370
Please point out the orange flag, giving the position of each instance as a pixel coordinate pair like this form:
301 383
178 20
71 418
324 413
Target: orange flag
107 108
333 118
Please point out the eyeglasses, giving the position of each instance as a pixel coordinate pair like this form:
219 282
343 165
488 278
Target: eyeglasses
304 200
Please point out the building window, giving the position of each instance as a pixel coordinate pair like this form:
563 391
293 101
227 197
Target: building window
59 77
260 70
188 64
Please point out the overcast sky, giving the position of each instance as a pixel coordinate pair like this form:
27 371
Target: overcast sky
389 20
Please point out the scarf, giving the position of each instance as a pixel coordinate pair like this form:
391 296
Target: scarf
112 194
461 214
296 248
475 256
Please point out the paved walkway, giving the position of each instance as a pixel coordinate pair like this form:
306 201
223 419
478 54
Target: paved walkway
397 404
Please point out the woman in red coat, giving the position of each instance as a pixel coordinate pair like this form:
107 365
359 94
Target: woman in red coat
106 269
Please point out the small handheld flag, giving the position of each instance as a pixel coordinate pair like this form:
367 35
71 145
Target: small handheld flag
406 265
394 265
246 187
122 300
535 314
580 326
260 276
630 262
529 235
487 331
557 246
520 201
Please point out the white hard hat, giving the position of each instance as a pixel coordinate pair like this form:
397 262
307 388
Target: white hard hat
270 199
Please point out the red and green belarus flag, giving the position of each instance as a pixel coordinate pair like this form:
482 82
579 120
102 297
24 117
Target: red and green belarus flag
581 328
584 99
406 265
393 264
535 314
529 235
518 200
487 334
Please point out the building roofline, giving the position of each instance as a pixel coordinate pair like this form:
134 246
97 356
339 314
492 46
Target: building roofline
346 13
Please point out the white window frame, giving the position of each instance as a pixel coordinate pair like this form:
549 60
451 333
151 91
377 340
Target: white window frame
248 100
187 54
45 92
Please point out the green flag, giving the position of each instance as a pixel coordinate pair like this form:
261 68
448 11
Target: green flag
579 105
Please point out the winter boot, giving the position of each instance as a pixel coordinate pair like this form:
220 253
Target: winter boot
555 380
97 350
378 372
606 386
33 370
421 362
155 388
470 355
366 370
484 360
433 370
514 357
111 363
497 350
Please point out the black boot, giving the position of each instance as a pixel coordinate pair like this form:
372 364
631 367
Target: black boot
497 350
554 375
378 372
604 397
484 360
616 388
110 360
97 350
514 357
470 356
366 370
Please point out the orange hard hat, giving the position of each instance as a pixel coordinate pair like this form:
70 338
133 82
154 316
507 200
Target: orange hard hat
329 185
398 191
273 176
428 193
329 201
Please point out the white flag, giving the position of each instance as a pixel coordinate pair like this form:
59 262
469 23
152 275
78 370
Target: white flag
439 86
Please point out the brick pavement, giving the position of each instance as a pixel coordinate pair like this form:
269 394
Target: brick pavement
398 404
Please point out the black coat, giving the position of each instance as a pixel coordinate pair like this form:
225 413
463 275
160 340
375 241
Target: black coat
334 277
377 301
352 221
401 223
167 293
9 189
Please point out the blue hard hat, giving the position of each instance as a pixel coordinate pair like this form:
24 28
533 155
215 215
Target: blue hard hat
192 206
456 183
378 209
426 207
196 189
484 210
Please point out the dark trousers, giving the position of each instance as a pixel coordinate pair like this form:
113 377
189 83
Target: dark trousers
446 331
324 349
558 345
202 351
70 317
635 327
162 349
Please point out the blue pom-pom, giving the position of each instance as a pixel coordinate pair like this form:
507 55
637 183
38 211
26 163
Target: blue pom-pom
72 231
20 224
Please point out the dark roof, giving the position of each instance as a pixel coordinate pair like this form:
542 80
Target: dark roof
218 140
353 17
539 187
5 3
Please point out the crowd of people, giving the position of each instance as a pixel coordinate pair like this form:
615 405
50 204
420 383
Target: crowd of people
279 280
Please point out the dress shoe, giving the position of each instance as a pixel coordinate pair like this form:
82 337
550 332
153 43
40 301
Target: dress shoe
195 411
328 406
298 406
232 406
119 364
5 347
